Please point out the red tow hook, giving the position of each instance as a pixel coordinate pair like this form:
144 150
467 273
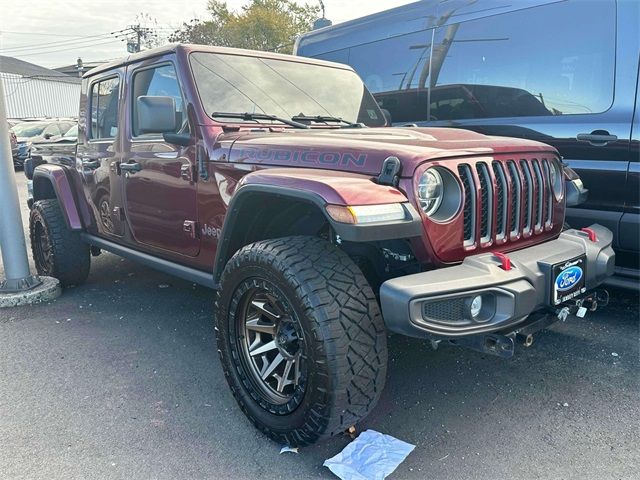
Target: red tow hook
506 261
590 233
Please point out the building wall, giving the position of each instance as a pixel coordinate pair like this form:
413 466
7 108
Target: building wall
36 97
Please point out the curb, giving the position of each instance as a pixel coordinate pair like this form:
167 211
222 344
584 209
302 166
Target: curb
48 290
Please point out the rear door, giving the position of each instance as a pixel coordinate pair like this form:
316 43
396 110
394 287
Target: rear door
160 193
546 73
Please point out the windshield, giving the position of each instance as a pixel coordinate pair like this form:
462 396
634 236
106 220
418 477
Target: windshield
239 84
72 132
29 129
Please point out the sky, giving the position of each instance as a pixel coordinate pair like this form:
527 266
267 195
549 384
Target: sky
53 33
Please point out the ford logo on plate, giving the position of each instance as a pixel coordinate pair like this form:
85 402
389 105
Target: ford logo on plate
568 279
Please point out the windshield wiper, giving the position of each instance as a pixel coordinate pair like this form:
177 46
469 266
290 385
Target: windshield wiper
246 116
326 119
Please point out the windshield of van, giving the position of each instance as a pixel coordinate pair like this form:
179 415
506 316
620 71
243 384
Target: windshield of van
72 132
286 89
29 129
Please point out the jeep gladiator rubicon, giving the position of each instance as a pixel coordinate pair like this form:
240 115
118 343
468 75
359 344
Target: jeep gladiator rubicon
275 180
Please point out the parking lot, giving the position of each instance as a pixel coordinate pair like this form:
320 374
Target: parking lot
120 378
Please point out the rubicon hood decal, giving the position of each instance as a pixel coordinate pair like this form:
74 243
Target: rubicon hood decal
307 157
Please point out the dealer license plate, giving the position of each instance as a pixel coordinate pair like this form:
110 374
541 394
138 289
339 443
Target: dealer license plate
568 280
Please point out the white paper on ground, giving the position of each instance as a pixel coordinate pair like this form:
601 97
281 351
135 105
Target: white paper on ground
371 456
287 448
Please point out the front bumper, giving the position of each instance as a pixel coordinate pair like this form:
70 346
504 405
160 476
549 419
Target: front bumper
436 303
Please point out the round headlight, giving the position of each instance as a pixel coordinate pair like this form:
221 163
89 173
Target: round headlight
555 177
430 191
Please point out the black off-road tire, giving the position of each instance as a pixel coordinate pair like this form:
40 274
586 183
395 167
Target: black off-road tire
57 251
345 344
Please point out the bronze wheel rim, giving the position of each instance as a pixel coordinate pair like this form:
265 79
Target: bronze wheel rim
271 344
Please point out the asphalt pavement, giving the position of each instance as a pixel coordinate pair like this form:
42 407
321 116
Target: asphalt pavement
120 379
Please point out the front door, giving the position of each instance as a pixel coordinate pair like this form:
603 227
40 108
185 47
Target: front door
160 194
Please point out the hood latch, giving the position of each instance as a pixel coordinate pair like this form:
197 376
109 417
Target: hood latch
390 172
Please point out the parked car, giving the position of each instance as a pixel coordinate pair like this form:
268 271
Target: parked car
534 69
64 145
318 227
60 151
33 133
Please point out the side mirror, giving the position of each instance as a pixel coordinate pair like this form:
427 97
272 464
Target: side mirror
156 114
47 136
576 193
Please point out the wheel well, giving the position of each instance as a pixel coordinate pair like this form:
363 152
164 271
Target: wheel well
262 216
43 189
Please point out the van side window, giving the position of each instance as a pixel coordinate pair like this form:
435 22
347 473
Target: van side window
105 97
158 81
555 59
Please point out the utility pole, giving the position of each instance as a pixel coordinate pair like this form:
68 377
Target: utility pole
141 33
19 287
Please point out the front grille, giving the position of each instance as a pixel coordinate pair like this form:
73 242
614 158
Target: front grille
506 200
527 196
549 192
515 187
486 202
538 183
501 197
469 213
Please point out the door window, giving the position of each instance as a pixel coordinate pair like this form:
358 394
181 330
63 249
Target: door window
104 109
158 81
555 59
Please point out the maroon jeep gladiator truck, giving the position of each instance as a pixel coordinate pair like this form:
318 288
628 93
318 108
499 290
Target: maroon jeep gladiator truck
276 181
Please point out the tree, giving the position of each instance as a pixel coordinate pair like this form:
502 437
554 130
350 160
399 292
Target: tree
271 25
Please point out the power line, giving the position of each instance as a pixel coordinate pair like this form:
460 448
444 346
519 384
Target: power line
41 34
67 49
64 42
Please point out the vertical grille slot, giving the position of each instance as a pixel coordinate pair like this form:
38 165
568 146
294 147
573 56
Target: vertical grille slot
486 197
501 200
527 197
549 191
539 183
514 197
469 204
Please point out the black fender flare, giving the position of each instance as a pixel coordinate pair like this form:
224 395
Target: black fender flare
51 181
396 229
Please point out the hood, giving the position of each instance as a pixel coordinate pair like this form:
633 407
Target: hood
363 150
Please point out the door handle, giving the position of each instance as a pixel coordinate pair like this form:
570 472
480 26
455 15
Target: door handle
598 138
90 164
130 167
187 172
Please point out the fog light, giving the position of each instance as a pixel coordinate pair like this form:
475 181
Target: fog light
476 307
